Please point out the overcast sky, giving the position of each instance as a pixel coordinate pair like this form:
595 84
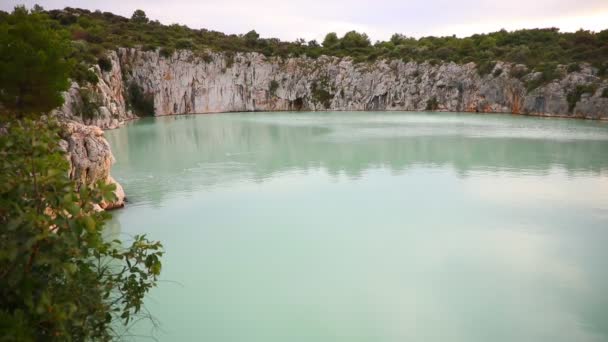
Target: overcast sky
312 19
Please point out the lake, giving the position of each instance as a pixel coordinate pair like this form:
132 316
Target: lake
370 226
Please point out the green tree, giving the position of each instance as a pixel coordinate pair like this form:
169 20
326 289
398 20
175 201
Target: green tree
251 38
331 40
354 39
33 64
139 17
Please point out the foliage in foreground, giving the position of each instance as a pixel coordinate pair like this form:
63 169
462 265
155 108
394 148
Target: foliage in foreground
59 278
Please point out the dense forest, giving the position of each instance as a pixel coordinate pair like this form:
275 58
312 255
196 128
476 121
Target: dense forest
93 33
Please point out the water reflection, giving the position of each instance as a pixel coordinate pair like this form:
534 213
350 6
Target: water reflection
371 227
212 149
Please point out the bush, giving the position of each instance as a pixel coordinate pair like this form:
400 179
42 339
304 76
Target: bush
90 104
575 95
485 67
83 75
206 57
167 52
105 64
548 72
229 57
184 44
59 279
272 87
320 94
574 67
518 72
432 104
141 103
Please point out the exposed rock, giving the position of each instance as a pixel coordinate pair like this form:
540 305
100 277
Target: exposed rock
185 83
119 193
108 109
90 158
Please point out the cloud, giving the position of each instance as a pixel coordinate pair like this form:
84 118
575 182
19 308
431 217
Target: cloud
312 19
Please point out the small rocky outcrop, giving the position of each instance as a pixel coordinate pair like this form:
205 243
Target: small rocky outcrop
90 159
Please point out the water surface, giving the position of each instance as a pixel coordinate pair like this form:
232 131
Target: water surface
374 227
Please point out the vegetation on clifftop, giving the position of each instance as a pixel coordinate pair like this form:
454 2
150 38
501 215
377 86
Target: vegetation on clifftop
92 33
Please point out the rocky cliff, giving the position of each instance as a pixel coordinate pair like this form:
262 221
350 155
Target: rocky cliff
85 111
186 82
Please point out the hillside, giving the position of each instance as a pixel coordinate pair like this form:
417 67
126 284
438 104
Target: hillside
94 33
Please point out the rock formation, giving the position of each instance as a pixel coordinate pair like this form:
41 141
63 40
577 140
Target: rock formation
187 82
101 105
90 159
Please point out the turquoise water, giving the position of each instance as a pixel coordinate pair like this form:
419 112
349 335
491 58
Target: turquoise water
370 226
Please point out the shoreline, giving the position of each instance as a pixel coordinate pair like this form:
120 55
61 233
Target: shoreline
530 115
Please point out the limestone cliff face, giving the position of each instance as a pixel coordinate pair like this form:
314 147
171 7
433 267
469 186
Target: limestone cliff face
187 83
101 105
90 159
215 82
86 111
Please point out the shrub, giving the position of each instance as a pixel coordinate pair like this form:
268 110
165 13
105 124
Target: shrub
574 67
575 95
548 72
432 104
90 104
59 279
184 44
331 40
105 64
83 75
485 67
518 72
320 94
141 103
206 57
434 61
229 58
167 52
139 17
272 87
